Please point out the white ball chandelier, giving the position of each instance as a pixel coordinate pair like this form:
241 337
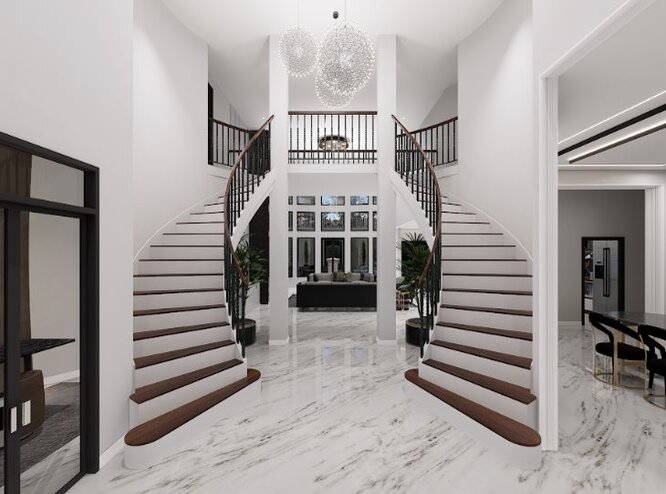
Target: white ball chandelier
298 50
329 99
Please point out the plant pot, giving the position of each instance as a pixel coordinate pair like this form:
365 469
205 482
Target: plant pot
247 333
412 328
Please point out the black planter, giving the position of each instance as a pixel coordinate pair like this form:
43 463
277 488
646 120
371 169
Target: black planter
412 328
247 333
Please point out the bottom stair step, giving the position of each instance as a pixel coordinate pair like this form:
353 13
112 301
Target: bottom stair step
145 444
509 429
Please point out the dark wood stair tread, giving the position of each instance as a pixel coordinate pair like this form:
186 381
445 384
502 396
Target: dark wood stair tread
150 391
170 310
494 310
485 290
505 358
156 333
509 429
510 390
497 275
507 333
181 290
159 427
158 358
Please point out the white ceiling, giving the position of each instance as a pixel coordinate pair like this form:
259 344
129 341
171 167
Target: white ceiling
428 32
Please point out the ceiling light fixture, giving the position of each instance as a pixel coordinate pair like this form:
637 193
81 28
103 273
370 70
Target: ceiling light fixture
298 49
328 98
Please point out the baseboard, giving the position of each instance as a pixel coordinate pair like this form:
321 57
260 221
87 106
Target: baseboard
278 342
59 378
381 342
115 448
570 324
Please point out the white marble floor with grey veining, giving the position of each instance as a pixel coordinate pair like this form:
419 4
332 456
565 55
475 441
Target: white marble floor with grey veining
334 418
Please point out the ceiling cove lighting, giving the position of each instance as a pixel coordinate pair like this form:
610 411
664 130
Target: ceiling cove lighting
619 141
298 49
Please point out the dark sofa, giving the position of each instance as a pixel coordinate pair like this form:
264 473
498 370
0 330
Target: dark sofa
322 291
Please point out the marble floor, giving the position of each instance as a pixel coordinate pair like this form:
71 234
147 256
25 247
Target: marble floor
334 418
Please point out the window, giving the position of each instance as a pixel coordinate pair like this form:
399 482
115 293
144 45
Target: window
360 255
305 251
305 200
333 254
359 200
374 221
374 255
305 221
332 200
332 221
374 200
290 260
360 221
290 220
290 201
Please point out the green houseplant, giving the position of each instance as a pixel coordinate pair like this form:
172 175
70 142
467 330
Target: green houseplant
415 253
253 265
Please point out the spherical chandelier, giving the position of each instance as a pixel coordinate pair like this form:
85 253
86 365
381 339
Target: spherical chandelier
298 50
328 98
346 60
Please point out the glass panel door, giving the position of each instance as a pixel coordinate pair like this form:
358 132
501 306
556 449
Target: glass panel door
332 255
3 347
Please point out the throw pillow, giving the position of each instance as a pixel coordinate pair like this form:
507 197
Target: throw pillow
339 276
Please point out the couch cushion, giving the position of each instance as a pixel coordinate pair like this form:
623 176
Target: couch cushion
355 276
323 277
339 276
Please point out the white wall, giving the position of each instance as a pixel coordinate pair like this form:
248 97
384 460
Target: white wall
496 126
67 86
600 213
222 108
170 119
445 108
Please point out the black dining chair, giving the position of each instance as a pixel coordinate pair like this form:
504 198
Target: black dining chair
612 349
655 360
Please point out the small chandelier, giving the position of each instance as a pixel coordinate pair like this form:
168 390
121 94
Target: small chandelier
346 59
328 98
298 50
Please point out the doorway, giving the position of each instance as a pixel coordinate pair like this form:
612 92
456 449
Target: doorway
602 279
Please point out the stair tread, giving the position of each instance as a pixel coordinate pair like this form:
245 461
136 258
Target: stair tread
505 358
162 425
179 290
194 233
199 222
169 310
494 310
509 429
468 222
488 290
150 391
153 275
498 275
510 390
156 333
508 333
458 212
158 358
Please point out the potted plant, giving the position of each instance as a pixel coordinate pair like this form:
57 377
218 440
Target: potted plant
253 264
415 254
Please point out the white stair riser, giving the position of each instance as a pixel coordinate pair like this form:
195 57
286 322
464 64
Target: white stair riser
206 217
523 302
454 216
177 282
514 346
489 282
184 267
192 239
465 227
141 457
214 208
453 252
200 228
160 344
176 367
452 207
188 299
187 252
525 414
471 239
498 370
478 266
185 318
491 319
150 409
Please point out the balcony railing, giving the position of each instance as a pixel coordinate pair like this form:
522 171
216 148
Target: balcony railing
225 142
331 137
439 142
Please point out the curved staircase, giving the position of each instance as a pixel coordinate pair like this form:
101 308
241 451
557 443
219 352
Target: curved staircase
476 370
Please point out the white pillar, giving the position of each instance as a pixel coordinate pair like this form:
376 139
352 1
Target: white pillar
386 211
278 283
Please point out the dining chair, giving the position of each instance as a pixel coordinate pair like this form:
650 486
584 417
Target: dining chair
616 350
655 360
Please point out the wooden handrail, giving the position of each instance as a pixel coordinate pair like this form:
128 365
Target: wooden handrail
227 197
333 112
438 215
434 125
211 119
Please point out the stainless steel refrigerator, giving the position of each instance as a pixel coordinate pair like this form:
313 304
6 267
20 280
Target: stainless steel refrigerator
607 276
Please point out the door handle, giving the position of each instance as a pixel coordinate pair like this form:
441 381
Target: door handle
606 272
12 420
